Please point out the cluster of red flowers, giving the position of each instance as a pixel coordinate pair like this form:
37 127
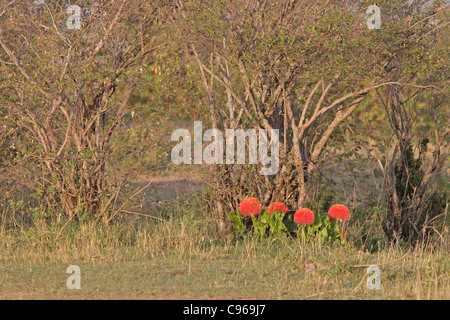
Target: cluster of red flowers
339 211
277 206
304 216
252 207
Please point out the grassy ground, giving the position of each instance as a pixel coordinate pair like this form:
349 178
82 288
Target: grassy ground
180 256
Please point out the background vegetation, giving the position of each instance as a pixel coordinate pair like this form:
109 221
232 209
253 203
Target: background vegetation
86 176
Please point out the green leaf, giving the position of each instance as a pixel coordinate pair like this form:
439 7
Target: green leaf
290 224
238 223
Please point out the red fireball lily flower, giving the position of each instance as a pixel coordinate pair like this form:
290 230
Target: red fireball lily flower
304 216
250 207
339 211
277 206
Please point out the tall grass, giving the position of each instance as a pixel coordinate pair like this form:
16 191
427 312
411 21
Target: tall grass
187 243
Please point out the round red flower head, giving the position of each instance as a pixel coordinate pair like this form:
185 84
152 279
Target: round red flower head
304 216
250 207
339 211
277 206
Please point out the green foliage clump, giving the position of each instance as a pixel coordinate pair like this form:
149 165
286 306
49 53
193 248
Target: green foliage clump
280 225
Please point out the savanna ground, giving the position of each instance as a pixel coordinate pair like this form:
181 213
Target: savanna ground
177 253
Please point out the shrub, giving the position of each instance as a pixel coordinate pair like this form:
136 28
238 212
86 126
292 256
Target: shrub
276 221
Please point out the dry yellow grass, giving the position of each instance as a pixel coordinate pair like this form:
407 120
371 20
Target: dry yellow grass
180 257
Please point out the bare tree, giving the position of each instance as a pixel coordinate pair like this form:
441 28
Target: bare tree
419 123
69 86
298 66
411 175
